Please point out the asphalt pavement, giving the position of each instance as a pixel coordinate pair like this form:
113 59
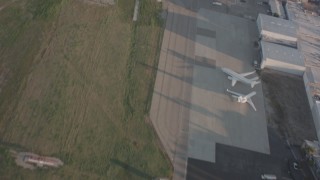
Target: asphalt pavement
191 111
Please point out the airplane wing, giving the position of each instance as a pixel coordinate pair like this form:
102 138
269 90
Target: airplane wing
254 79
248 96
253 83
249 101
234 81
247 74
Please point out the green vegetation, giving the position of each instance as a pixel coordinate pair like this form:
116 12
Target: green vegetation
44 9
77 85
5 161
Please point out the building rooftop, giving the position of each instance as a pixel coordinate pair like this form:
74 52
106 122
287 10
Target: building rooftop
276 7
309 33
309 44
282 53
313 74
277 25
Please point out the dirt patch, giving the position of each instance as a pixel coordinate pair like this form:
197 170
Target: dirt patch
287 106
3 6
32 161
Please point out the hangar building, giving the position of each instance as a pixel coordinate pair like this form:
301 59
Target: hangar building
277 30
281 58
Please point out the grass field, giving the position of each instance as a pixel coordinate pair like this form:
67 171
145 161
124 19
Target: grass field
75 84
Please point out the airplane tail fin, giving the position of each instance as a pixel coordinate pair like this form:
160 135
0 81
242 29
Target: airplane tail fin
254 83
252 105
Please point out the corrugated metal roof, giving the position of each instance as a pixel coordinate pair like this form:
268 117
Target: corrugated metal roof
282 53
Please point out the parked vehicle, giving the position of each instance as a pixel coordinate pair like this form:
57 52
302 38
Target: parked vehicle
268 177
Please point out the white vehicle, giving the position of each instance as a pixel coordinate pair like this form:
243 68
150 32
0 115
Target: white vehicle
268 177
216 3
241 98
234 77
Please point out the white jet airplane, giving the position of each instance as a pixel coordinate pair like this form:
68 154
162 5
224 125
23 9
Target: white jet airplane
241 98
234 77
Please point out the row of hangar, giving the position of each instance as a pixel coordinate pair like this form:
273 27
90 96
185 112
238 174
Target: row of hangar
278 45
282 50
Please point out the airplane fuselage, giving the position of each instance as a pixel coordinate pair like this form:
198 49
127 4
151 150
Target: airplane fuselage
234 77
242 100
241 79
